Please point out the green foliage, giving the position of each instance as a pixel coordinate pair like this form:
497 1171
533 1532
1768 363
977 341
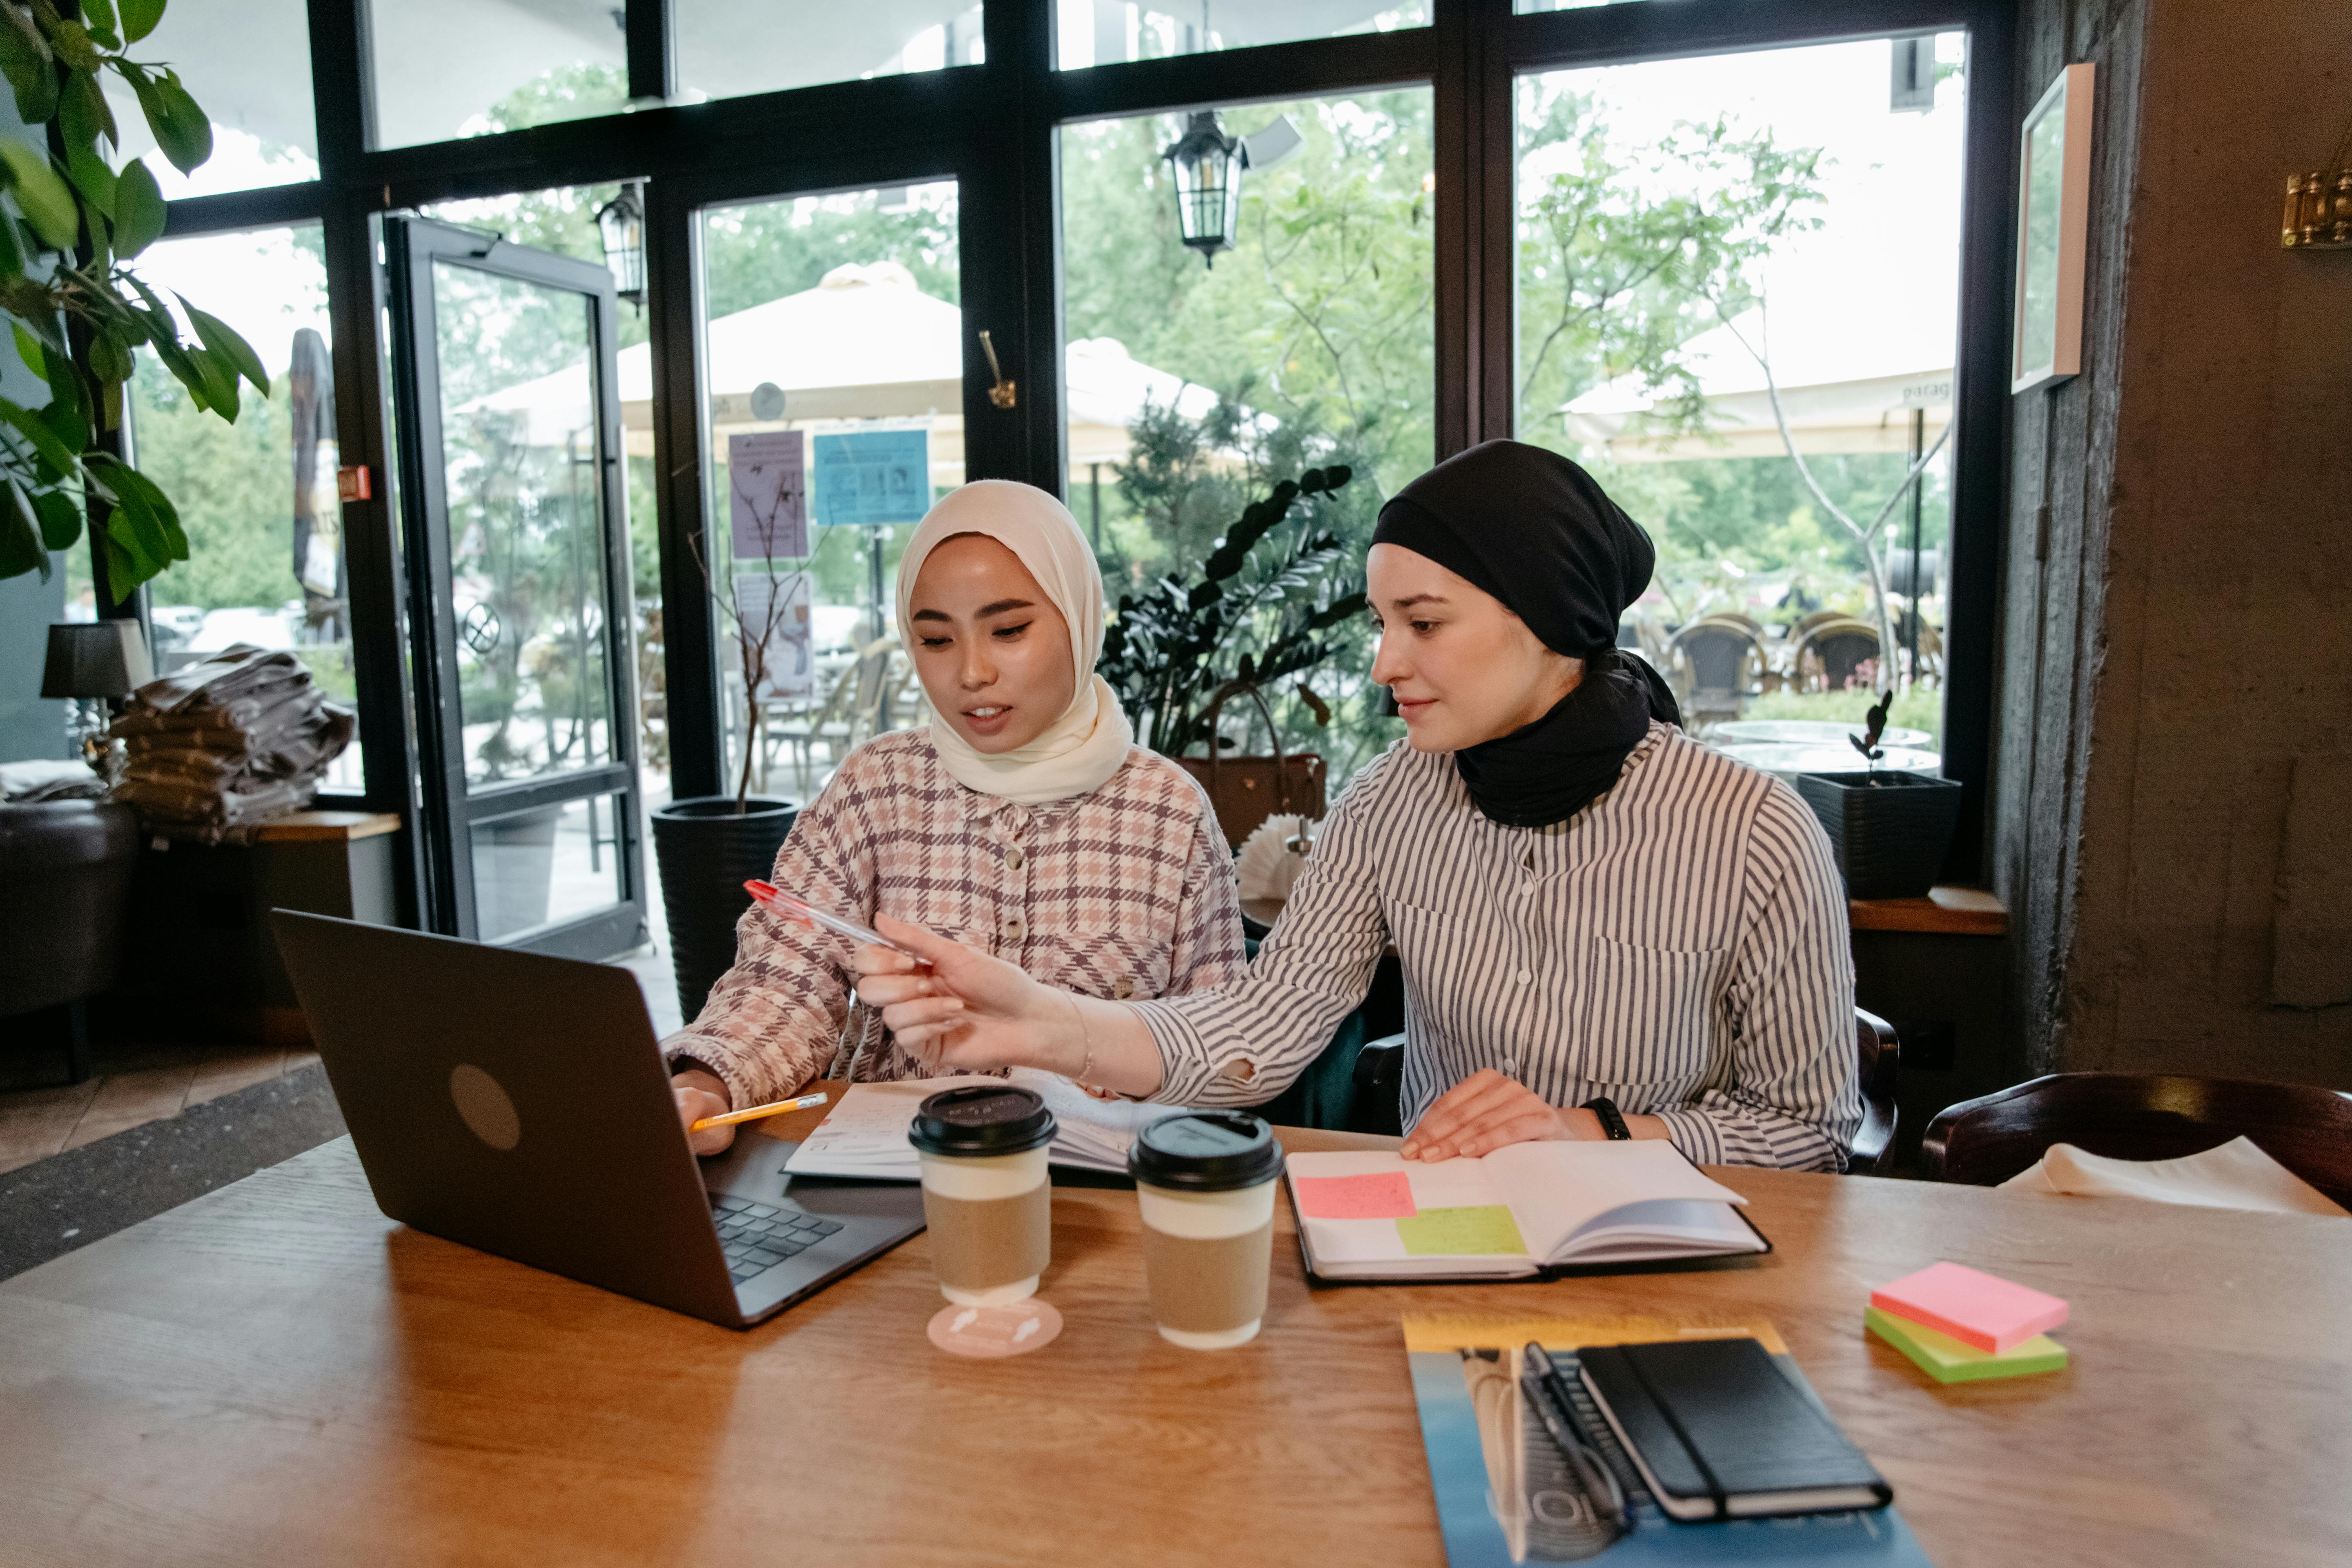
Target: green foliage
1616 271
1174 650
77 315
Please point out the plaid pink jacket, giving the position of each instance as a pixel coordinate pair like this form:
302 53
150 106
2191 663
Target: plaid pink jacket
1124 892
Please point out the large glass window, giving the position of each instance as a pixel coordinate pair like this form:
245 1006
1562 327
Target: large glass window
247 64
1105 32
1197 382
258 497
446 69
834 353
728 47
1737 298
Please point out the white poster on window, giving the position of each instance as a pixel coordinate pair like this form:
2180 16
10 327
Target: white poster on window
773 614
767 491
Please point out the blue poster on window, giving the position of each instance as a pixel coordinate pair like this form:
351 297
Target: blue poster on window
871 477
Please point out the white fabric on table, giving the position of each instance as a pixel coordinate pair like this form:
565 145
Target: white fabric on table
2237 1175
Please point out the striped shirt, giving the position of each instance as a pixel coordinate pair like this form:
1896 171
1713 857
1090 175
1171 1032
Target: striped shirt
1125 892
1680 946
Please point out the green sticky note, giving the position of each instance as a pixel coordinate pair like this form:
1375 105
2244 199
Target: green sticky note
1465 1232
1946 1359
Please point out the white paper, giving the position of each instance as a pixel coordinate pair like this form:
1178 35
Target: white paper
767 494
776 605
865 1134
2236 1176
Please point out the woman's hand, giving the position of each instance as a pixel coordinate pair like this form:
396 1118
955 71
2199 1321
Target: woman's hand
962 1011
1484 1111
699 1094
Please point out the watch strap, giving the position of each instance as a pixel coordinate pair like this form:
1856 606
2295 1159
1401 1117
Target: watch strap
1613 1121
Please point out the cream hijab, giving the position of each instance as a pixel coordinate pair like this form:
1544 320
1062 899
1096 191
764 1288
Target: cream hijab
1078 752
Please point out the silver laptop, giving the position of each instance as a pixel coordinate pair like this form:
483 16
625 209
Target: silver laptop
517 1103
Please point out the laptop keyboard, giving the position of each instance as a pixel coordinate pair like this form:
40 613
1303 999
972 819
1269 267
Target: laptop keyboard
758 1237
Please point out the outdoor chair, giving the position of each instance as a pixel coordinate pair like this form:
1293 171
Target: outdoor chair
802 725
1830 653
2137 1116
1715 664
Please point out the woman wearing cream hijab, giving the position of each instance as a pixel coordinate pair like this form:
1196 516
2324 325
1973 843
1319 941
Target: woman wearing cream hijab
1024 820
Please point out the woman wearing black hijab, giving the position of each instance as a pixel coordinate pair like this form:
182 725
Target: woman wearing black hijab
1606 929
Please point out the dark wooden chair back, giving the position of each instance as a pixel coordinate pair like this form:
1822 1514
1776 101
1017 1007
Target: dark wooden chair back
2134 1116
1876 1052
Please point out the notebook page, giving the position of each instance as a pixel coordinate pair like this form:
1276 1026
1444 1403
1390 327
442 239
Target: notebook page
1558 1188
1446 1184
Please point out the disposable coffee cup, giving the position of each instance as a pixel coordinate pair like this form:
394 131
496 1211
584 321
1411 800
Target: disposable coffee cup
1205 1183
985 1196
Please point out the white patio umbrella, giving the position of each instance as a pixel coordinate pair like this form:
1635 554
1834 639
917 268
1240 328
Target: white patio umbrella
1851 357
864 343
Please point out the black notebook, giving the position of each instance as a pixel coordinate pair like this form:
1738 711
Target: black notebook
1719 1432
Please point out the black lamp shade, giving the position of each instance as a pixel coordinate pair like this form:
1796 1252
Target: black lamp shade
96 659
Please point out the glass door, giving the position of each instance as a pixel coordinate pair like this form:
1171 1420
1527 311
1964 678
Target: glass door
514 523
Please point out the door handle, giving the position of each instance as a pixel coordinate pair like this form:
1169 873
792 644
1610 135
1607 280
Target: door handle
1004 394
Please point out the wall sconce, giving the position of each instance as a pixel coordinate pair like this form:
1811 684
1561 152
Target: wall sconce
621 225
2319 205
1208 165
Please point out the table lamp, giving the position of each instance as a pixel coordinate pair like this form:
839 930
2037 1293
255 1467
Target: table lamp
88 662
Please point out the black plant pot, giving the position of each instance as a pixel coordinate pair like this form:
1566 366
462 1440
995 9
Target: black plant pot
706 850
1891 831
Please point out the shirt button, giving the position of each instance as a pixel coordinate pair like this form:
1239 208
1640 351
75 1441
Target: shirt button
1015 860
1014 930
1525 887
1527 976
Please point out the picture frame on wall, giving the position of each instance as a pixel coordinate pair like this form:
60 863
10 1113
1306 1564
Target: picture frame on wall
2053 212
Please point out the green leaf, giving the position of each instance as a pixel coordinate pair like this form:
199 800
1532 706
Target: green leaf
46 201
220 381
180 127
60 519
139 210
93 179
219 338
71 41
79 106
142 494
12 249
29 350
20 541
97 16
25 61
44 439
65 420
138 18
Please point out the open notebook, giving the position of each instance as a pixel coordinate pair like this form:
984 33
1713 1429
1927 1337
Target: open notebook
1515 1212
865 1134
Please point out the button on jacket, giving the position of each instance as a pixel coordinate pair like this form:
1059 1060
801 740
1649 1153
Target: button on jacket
1681 945
1127 890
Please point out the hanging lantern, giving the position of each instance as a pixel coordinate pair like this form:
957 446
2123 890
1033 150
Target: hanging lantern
621 225
1208 166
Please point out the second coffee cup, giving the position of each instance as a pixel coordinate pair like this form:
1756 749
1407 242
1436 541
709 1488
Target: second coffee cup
985 1193
1204 1183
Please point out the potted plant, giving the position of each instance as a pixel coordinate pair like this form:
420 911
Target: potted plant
78 314
706 847
1175 653
1891 829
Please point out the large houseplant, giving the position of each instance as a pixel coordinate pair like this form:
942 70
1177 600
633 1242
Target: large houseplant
70 223
1178 653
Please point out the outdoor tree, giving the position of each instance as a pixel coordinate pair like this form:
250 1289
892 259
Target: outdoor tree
79 314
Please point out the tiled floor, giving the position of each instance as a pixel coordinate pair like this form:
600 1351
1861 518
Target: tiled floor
132 1084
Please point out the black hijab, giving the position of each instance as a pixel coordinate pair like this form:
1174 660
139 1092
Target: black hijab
1532 529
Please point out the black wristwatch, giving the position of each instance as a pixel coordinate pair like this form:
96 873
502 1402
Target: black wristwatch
1613 1121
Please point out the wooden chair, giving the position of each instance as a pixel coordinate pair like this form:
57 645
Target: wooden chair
1876 1053
1830 653
1378 1078
1715 664
2134 1116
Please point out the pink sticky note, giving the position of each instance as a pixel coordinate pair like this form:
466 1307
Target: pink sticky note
1975 1309
1385 1195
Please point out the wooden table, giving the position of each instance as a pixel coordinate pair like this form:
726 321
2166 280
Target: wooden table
274 1374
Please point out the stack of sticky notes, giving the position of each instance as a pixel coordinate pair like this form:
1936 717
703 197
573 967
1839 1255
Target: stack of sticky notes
1959 1325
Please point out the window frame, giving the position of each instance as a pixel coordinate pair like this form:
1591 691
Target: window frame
992 127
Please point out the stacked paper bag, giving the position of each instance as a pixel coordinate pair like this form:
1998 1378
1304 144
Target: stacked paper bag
220 747
1958 1325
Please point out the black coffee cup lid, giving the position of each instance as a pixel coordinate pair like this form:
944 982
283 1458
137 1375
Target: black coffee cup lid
980 1120
1205 1152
